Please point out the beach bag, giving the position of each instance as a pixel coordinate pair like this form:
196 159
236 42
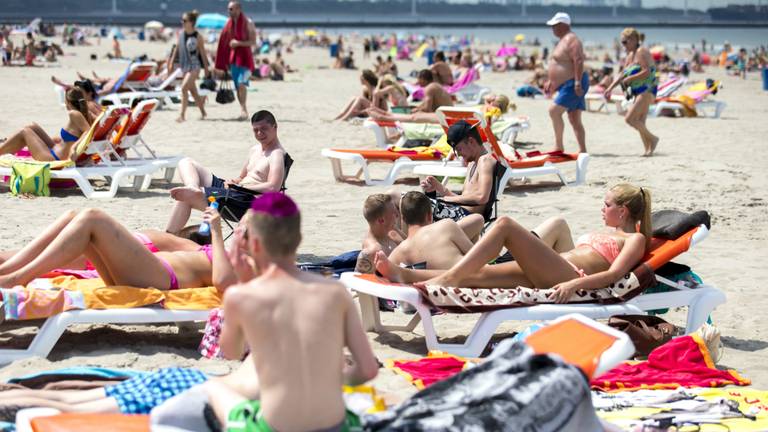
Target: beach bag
28 178
647 332
225 94
208 84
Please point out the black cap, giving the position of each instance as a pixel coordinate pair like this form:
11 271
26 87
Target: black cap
458 132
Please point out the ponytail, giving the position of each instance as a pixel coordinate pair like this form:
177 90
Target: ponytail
76 98
638 201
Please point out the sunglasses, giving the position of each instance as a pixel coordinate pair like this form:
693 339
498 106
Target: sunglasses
624 41
183 20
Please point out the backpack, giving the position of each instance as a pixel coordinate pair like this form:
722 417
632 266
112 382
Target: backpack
28 178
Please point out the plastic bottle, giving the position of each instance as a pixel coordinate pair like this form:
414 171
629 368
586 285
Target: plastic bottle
205 227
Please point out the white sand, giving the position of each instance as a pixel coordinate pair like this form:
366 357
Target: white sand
714 165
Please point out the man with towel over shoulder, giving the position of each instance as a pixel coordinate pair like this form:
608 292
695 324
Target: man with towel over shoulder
234 53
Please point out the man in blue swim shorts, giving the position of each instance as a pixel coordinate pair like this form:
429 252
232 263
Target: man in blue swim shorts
234 52
566 75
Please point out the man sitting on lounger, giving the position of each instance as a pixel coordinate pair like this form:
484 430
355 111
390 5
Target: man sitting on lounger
437 245
263 172
297 325
381 214
466 142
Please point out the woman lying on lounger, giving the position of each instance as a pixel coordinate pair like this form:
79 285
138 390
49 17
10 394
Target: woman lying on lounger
494 106
41 145
599 258
154 240
119 257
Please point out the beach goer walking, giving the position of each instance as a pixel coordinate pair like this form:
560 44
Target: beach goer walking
639 77
262 172
192 57
566 75
234 52
297 326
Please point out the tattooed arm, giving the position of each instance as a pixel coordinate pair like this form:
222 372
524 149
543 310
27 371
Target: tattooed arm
365 261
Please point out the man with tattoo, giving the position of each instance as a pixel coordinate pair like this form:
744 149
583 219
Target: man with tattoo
381 214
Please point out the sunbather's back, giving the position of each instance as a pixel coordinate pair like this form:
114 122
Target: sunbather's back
296 325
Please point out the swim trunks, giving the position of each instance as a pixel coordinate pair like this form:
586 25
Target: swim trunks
236 202
444 210
139 395
247 417
240 75
567 97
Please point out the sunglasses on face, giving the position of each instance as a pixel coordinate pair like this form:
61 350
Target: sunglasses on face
624 41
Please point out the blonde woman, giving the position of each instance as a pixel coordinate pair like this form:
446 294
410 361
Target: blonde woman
597 260
391 91
639 78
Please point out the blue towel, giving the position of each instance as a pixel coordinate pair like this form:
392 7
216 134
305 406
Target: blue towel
97 372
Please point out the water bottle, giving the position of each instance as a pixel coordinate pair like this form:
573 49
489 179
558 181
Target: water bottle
205 227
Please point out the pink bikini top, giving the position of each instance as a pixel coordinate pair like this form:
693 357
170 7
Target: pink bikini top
603 244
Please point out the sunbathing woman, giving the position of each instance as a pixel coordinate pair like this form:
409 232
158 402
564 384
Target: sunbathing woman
358 105
639 75
599 258
153 240
494 106
89 91
389 90
119 257
41 145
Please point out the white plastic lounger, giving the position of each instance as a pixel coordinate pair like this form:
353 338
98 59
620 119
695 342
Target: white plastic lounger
54 326
400 163
700 300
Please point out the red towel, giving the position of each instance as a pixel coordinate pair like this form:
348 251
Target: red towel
681 362
240 56
426 371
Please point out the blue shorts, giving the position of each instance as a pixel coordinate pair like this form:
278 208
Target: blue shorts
240 75
566 94
139 395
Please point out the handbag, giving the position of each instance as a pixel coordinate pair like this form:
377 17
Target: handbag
208 84
29 178
647 332
225 94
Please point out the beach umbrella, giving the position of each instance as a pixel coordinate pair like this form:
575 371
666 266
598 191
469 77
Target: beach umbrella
520 37
115 32
153 25
211 21
310 32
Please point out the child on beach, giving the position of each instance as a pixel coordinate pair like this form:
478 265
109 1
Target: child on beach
297 326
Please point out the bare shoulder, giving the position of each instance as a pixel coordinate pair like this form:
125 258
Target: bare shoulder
487 162
328 287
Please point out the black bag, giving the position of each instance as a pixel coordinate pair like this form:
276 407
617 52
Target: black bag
208 84
225 94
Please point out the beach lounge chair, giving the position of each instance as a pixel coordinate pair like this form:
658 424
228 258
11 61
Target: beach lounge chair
400 162
518 166
626 297
114 174
165 92
694 102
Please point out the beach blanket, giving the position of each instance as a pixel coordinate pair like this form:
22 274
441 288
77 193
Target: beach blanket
472 300
514 390
240 56
681 362
426 371
43 298
627 409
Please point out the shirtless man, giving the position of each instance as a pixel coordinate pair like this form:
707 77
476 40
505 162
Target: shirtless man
441 71
466 142
297 326
381 214
440 244
263 172
566 75
435 95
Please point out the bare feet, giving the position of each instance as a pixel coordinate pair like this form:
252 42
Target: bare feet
8 281
187 194
180 120
653 146
203 115
444 280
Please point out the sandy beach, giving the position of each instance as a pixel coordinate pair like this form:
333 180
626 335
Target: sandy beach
701 164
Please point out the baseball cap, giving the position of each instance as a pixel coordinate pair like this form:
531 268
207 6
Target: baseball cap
458 132
560 17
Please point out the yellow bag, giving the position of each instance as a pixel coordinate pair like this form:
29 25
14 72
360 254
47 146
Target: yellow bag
28 178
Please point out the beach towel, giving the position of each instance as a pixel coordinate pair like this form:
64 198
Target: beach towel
421 150
89 422
682 362
240 56
39 380
426 371
26 304
514 390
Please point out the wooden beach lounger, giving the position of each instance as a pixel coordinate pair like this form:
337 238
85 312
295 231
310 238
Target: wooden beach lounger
700 300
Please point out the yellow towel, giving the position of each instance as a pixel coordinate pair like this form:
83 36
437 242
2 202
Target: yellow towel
7 161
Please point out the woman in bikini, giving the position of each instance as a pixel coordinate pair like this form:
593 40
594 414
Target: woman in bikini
117 255
359 104
192 58
41 145
639 77
597 260
390 91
